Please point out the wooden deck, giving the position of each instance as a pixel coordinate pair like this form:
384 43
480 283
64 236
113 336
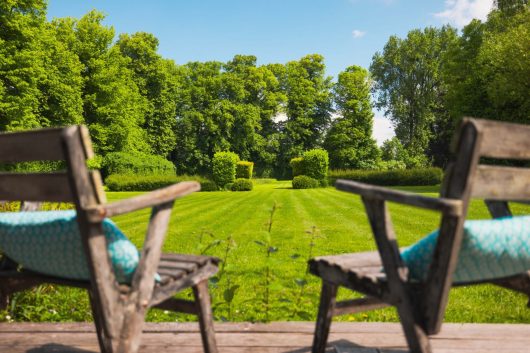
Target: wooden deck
284 337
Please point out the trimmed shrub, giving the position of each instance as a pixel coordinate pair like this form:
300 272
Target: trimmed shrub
244 169
297 165
305 182
404 177
128 182
224 168
242 184
315 164
136 163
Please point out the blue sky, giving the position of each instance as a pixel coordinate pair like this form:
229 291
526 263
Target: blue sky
345 32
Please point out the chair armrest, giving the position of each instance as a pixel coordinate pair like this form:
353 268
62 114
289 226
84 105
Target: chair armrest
447 206
153 198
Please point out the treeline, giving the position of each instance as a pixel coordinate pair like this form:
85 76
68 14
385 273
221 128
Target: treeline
135 102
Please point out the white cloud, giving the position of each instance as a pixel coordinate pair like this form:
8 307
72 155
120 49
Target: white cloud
383 130
461 12
357 33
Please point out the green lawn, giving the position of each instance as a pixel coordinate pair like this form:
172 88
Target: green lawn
233 226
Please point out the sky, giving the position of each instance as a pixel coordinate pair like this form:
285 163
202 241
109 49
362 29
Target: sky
345 32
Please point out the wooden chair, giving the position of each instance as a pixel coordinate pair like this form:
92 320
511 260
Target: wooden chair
118 310
421 306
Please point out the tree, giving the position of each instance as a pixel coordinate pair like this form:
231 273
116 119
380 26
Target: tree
308 108
409 85
20 63
157 82
487 69
113 107
349 141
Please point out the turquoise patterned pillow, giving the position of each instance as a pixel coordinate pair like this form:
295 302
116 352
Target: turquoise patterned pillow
491 249
49 242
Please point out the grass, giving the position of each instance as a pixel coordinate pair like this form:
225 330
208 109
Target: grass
235 226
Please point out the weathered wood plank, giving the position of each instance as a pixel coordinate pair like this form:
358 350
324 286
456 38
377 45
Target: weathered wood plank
285 337
504 140
51 187
502 183
449 206
45 144
153 198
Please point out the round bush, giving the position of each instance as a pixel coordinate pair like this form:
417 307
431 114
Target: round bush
305 182
244 169
224 168
208 185
297 165
315 164
242 184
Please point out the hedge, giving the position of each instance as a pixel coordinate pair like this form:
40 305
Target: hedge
315 164
244 169
297 166
305 182
242 184
136 163
127 182
224 167
404 177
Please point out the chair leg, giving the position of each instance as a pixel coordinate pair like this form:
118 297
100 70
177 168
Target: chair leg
4 299
416 336
105 344
204 310
325 314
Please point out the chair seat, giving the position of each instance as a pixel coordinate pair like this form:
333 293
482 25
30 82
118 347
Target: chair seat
179 271
359 271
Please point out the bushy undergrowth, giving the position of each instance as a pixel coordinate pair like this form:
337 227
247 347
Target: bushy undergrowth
224 168
136 163
242 184
244 169
124 182
305 182
405 177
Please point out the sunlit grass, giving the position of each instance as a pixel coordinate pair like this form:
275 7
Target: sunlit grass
203 221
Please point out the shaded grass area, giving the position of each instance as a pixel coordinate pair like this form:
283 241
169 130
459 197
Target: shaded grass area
312 222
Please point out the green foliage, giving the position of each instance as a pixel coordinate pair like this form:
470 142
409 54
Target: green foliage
395 155
305 182
244 169
242 184
132 182
136 163
315 164
405 177
409 85
224 166
297 166
349 141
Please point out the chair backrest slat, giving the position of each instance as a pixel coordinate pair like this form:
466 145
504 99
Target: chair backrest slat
53 187
42 145
501 183
504 140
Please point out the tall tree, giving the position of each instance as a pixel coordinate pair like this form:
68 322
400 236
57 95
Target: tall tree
409 86
487 69
308 108
20 64
157 82
349 141
113 107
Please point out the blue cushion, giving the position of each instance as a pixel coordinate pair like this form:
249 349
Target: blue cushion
49 242
493 248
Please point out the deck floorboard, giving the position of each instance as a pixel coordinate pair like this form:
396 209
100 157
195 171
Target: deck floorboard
278 337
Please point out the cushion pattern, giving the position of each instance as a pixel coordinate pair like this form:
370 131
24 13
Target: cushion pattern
493 248
49 242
